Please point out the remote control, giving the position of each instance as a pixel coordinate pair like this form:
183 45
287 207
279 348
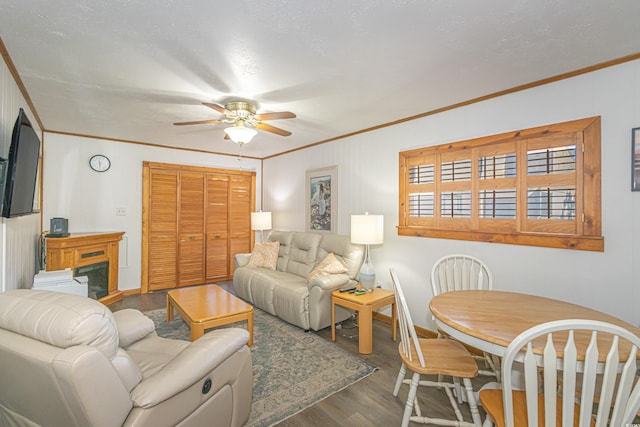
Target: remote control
347 289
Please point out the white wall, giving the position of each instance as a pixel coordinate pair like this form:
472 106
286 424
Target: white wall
18 236
89 199
368 181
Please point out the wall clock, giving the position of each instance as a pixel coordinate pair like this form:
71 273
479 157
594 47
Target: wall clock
99 163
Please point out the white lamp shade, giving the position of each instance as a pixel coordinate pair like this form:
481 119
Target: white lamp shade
261 220
367 229
240 134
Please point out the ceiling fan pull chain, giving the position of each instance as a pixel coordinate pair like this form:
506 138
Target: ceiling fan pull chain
241 144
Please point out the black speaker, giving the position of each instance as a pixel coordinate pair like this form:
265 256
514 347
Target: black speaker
59 227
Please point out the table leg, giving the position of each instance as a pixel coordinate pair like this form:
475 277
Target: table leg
169 310
333 320
197 330
365 326
250 328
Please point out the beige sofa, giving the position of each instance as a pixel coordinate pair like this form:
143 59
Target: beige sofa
284 292
66 360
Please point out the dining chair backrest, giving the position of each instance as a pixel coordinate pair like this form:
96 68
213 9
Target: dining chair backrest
571 372
459 272
408 334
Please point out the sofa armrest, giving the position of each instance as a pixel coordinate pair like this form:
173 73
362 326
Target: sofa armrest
90 386
330 282
190 366
240 260
132 326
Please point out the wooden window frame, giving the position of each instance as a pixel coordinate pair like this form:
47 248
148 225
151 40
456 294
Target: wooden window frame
584 232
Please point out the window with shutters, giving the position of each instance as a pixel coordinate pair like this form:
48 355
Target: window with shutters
538 187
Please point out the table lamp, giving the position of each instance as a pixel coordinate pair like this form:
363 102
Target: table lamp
367 230
261 221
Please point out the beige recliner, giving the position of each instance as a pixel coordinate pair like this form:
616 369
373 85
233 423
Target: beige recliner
66 360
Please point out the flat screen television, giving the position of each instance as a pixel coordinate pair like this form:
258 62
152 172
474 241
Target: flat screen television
22 169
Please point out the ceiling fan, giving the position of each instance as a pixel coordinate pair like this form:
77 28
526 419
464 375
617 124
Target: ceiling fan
243 120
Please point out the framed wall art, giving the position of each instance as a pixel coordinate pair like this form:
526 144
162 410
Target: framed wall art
635 159
321 199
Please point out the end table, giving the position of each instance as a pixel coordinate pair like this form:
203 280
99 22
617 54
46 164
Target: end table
365 305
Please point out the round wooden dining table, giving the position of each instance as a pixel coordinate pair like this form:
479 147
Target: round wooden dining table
489 320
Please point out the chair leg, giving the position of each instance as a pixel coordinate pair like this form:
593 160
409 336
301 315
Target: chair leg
454 405
486 366
473 406
491 364
496 366
488 422
458 390
408 409
401 374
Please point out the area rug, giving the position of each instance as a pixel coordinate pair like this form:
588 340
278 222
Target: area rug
292 369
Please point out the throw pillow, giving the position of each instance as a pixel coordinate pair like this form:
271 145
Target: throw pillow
329 265
265 255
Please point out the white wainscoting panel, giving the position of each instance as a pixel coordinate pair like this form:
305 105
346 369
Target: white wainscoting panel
18 236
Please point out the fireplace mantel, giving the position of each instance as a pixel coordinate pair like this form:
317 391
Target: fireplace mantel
82 249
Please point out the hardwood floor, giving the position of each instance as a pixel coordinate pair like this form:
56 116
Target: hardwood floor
368 402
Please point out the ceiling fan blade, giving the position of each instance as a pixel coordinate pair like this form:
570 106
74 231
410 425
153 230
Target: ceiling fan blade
275 116
272 129
197 122
219 108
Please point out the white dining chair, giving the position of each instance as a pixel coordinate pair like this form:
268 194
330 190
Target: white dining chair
430 356
560 384
464 272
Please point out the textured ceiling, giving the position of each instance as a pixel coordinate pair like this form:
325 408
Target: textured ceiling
127 69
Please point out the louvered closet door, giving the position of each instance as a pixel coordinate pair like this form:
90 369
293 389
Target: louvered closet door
191 229
194 220
217 235
240 212
163 231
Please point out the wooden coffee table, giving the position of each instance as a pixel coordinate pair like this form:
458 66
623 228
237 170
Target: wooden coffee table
208 306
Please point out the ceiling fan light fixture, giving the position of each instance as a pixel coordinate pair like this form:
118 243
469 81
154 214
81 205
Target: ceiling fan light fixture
240 134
